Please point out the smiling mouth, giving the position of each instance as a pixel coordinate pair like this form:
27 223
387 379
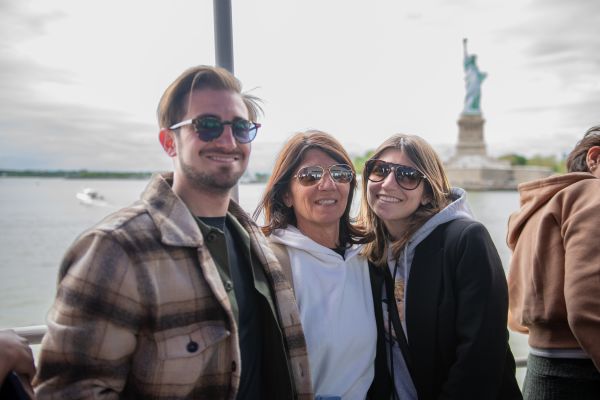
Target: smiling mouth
326 202
223 158
388 199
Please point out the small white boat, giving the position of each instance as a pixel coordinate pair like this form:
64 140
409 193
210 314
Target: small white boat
91 197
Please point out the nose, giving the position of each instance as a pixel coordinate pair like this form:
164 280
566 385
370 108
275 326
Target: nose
326 182
226 140
390 181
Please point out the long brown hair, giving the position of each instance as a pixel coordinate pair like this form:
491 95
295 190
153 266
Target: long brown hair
277 215
437 190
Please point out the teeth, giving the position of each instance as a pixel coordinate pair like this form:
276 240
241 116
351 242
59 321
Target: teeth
325 202
223 158
388 199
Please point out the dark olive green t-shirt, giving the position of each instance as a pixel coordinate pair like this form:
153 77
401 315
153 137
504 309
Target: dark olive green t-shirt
229 247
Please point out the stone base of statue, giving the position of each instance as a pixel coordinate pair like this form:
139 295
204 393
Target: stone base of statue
470 135
472 169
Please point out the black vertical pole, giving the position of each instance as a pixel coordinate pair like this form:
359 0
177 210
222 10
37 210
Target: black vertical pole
223 34
224 46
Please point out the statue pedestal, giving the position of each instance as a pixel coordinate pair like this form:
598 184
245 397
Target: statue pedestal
470 136
472 169
471 149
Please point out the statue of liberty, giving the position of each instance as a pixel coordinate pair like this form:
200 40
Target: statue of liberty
473 80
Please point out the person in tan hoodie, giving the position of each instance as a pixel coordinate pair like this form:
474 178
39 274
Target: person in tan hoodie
554 277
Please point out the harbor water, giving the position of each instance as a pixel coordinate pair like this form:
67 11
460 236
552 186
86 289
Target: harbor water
40 218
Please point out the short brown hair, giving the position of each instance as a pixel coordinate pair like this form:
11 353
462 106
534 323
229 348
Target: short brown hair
576 162
171 107
277 214
437 188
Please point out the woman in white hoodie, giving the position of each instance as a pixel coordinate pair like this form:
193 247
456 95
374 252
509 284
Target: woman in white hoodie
437 277
306 208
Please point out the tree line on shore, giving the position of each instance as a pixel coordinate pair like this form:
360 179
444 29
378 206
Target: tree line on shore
555 163
75 174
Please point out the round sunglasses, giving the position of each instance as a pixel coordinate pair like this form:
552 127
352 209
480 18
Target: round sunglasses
340 173
209 128
407 177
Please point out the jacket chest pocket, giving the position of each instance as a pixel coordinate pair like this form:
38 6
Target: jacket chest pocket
183 355
190 345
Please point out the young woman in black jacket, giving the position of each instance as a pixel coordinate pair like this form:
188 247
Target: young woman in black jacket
439 288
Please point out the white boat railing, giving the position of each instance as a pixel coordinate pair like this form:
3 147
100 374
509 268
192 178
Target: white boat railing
34 335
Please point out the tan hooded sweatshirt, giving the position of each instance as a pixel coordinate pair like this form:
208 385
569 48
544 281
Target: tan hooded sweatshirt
554 276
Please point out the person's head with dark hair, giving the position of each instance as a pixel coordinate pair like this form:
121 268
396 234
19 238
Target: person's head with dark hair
311 187
585 157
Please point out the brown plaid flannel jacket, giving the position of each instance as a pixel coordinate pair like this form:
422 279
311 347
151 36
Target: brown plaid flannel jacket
135 290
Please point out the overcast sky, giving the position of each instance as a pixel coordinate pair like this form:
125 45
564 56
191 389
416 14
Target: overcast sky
80 80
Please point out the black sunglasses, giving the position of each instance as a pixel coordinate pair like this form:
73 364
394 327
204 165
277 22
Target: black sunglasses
340 173
407 177
209 128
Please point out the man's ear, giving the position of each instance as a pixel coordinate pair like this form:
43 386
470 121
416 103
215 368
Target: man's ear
167 141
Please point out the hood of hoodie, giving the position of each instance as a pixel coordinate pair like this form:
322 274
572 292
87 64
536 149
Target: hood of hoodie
459 208
535 195
292 237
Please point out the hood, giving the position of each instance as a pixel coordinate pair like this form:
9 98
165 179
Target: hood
459 208
292 237
535 195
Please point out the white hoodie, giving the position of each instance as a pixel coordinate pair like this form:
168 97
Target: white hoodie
336 309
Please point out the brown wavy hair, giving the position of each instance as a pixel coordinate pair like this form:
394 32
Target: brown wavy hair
277 215
172 107
437 189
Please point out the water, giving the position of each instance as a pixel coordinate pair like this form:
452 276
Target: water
40 218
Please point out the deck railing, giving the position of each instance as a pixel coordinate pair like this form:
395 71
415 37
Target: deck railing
34 335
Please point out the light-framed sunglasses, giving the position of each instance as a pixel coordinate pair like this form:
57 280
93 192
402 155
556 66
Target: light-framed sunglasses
311 175
208 128
407 178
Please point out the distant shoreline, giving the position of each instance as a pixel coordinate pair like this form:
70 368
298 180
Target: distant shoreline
85 174
77 174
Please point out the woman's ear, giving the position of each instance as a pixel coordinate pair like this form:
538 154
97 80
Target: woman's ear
167 141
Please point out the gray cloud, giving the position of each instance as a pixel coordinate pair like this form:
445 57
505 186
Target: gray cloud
37 133
562 36
71 136
561 41
17 24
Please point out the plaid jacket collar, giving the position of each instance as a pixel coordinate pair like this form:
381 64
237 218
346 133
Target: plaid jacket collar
173 219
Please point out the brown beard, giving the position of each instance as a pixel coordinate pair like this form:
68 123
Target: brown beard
218 183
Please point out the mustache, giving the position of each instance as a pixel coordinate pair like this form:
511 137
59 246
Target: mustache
221 152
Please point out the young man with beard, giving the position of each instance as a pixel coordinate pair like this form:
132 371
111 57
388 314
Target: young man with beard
179 296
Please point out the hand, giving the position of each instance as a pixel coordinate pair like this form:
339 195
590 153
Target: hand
15 355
